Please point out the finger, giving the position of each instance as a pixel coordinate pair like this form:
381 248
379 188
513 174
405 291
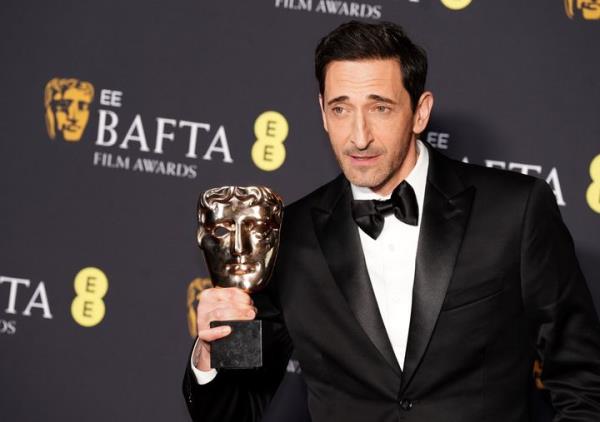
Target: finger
225 294
234 294
212 334
220 311
208 308
231 313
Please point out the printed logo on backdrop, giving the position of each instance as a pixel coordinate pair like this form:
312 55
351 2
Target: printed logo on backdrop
194 289
67 104
583 9
593 191
88 308
271 130
26 298
132 143
334 7
23 298
441 140
456 4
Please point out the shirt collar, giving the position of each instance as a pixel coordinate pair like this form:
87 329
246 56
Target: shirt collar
417 179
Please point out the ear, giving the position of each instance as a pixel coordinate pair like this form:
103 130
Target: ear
323 112
422 112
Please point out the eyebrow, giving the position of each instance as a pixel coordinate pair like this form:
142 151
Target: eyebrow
381 99
338 99
371 97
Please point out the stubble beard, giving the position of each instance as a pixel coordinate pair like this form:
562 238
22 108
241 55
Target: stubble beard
372 177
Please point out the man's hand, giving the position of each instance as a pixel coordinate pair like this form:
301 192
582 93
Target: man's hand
219 304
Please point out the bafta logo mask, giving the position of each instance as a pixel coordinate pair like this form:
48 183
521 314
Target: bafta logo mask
194 289
589 9
239 234
67 103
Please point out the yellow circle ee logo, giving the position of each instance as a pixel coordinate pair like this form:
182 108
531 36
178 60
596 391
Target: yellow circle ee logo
271 129
593 192
456 4
88 308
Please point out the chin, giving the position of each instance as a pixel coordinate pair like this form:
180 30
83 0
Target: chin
365 181
70 136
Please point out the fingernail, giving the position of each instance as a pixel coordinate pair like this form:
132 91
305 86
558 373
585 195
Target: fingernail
250 313
226 329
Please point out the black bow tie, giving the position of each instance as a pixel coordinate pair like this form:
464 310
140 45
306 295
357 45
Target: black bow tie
370 214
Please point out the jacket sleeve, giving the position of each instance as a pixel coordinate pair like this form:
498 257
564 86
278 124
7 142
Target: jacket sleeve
561 315
243 395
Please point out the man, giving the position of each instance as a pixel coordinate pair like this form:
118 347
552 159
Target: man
431 306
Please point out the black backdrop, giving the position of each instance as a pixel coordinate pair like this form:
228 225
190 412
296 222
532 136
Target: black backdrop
516 86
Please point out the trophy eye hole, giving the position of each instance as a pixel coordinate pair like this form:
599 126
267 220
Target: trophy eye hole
220 231
261 230
250 224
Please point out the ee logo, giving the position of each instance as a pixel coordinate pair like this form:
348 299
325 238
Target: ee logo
593 191
456 4
88 308
271 129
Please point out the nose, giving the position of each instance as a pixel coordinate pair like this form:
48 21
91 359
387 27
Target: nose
72 110
240 242
361 136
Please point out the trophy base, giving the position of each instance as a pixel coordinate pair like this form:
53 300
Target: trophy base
241 349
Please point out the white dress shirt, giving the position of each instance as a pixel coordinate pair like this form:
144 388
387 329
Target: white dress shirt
391 259
390 262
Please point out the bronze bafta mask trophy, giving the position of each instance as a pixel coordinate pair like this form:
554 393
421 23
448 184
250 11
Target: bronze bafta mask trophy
239 234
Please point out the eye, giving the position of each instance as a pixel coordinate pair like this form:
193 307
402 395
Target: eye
337 110
260 230
62 105
382 109
220 231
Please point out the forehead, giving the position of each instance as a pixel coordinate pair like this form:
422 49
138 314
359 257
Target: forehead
363 77
73 93
236 209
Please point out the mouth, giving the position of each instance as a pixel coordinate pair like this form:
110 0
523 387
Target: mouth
240 268
363 160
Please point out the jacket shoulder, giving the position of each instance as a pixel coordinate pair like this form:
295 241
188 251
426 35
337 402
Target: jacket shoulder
493 179
298 216
322 197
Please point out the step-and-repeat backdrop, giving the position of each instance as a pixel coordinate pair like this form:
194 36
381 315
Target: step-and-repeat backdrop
115 115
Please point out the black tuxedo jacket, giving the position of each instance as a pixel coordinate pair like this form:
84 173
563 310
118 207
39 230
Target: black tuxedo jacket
497 285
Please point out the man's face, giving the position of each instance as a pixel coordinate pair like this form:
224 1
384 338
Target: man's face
71 110
367 113
240 244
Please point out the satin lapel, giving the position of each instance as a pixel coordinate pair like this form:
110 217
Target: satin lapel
340 243
445 216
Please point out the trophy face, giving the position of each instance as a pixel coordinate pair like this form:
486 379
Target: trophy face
239 235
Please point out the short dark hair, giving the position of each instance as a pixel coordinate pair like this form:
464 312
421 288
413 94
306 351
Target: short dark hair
363 41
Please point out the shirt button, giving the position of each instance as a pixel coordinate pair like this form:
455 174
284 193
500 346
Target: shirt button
406 404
